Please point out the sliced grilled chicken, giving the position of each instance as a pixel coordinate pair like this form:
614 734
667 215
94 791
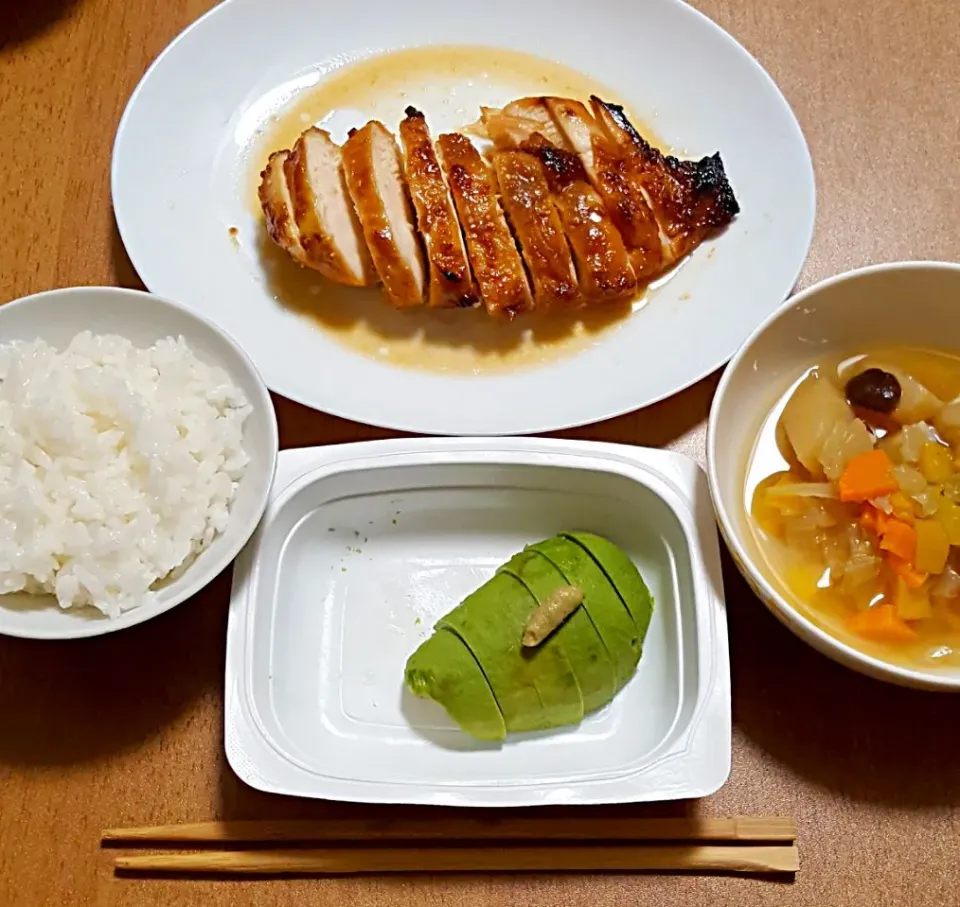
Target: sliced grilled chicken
518 122
451 281
536 225
578 207
610 176
329 230
578 127
603 265
493 253
374 176
277 207
690 199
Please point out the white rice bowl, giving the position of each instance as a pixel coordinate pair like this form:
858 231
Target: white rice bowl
118 465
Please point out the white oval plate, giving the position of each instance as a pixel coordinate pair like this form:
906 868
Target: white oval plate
181 179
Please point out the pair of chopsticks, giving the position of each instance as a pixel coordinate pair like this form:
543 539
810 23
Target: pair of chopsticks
745 844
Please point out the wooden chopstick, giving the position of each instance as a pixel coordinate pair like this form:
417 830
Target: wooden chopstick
697 858
738 828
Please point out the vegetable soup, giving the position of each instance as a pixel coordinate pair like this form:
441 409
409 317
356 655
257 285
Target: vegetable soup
854 492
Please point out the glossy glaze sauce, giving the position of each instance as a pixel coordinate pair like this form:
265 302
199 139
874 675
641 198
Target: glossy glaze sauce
449 84
938 642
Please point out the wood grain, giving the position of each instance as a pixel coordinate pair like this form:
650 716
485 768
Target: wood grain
127 730
738 858
457 828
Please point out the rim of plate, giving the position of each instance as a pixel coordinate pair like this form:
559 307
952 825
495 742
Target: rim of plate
211 569
331 407
809 632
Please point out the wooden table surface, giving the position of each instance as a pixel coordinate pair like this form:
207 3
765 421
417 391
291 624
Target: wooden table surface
127 729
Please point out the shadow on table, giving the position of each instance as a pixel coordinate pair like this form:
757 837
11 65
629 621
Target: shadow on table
23 20
863 739
301 426
237 801
657 425
67 702
124 273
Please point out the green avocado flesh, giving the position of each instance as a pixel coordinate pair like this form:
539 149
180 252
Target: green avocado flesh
577 636
535 689
622 574
443 669
476 666
601 603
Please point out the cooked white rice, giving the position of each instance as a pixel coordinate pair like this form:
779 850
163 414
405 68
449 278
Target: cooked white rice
117 465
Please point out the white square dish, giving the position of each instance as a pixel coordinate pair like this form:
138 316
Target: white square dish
364 546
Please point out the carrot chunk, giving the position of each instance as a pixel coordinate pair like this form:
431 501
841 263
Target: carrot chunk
882 624
906 571
869 475
899 538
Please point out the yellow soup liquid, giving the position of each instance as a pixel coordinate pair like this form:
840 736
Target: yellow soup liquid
802 577
449 83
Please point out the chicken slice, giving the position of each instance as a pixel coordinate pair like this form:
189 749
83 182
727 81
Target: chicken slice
451 282
577 126
536 225
603 265
493 253
277 207
690 199
516 123
329 230
609 174
372 167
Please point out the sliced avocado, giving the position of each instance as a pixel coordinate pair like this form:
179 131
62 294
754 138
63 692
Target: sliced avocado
578 636
443 669
600 601
559 689
624 576
532 689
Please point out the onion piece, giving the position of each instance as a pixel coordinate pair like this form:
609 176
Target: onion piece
883 503
947 422
844 442
910 479
947 585
912 438
928 501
